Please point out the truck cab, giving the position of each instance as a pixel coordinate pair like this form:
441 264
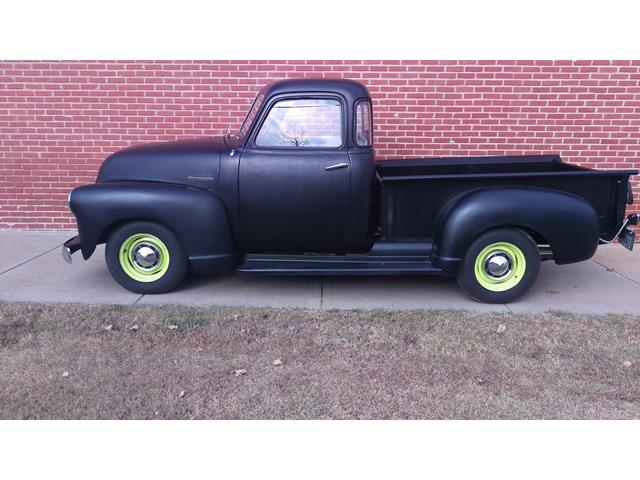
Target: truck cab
298 191
306 169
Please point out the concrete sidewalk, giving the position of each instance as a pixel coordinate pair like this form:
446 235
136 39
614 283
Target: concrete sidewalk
32 269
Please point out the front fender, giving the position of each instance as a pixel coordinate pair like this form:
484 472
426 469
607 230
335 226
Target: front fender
197 217
567 222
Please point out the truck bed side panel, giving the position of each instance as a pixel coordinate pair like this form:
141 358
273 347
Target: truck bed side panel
410 208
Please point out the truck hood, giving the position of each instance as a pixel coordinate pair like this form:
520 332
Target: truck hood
187 162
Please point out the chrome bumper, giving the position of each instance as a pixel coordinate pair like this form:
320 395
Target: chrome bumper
70 247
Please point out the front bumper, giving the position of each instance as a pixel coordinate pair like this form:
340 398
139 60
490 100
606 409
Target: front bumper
70 247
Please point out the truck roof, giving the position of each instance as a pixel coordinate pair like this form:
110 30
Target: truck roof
350 89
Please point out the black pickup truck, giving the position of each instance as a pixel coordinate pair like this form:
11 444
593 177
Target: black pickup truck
298 192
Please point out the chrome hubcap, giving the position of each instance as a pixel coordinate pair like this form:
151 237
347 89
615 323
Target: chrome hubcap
498 265
146 256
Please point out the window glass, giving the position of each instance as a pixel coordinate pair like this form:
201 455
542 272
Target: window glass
302 123
364 132
251 115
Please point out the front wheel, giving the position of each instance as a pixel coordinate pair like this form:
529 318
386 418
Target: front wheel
145 258
500 266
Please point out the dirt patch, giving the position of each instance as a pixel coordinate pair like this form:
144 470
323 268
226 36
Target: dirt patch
76 361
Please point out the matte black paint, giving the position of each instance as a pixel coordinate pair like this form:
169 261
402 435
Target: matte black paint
290 203
429 189
304 265
197 217
228 200
568 223
187 162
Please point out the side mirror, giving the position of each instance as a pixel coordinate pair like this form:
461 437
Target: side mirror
231 140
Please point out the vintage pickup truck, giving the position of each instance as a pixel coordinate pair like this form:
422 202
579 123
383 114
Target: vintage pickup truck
298 192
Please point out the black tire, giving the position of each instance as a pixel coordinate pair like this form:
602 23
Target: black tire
469 281
170 275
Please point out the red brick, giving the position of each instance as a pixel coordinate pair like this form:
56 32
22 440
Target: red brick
58 120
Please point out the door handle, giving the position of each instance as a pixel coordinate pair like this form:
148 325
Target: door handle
337 166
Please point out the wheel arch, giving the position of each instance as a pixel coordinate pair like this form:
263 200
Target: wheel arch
197 217
567 223
109 229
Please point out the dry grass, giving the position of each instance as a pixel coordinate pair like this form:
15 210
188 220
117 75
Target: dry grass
335 364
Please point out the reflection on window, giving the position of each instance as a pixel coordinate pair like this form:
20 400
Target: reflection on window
364 131
251 115
302 123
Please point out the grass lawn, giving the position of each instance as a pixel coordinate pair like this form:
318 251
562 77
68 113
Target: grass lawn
78 361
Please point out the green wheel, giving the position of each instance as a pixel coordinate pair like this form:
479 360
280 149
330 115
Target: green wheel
145 257
500 266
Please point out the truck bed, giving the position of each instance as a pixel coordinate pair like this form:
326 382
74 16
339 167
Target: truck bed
420 188
393 170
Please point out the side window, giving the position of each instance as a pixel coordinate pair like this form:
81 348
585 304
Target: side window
302 123
251 115
364 131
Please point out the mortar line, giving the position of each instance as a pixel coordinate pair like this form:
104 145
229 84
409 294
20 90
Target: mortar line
32 258
508 308
610 270
138 299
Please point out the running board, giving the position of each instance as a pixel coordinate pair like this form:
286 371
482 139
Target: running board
337 265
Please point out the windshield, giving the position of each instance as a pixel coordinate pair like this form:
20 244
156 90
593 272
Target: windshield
251 115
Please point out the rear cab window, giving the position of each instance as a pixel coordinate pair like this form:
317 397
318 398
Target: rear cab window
363 124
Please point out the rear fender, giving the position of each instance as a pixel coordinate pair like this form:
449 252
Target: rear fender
567 222
197 217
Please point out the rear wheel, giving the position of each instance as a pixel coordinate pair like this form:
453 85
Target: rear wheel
500 266
145 257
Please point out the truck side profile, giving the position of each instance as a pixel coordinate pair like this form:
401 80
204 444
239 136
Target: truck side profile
298 191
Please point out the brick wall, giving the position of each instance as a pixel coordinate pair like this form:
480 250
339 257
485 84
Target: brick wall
58 120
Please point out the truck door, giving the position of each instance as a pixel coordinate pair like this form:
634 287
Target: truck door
294 178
